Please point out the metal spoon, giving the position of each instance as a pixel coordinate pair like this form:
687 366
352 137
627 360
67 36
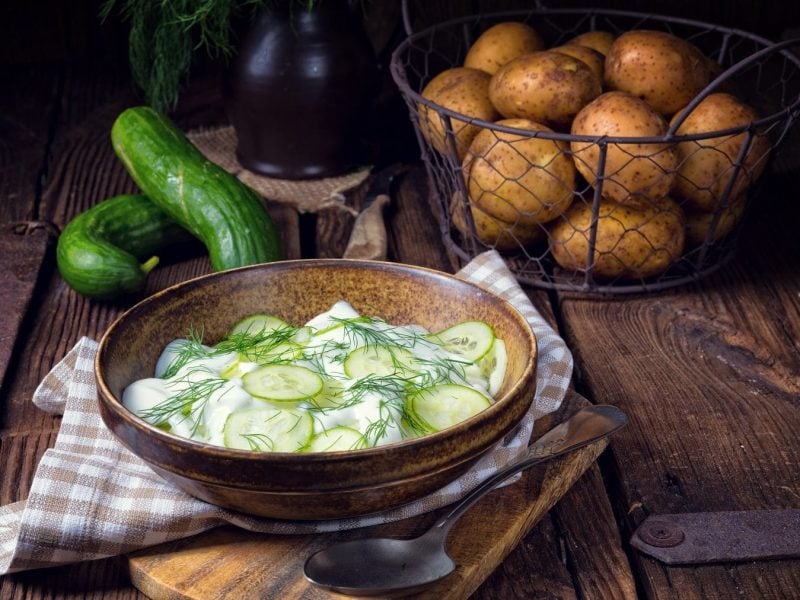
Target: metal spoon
376 566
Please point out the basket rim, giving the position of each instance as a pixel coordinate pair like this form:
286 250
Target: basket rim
400 79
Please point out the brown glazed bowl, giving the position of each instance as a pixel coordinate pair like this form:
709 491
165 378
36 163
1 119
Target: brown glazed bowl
310 486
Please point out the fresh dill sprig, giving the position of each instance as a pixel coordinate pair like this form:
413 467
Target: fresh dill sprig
258 442
190 349
189 402
362 331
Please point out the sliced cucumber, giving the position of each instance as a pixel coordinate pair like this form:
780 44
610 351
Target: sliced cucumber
258 323
441 406
267 353
268 430
282 383
493 366
470 339
377 360
336 438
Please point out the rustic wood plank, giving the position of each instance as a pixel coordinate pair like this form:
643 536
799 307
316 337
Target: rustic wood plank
23 247
708 374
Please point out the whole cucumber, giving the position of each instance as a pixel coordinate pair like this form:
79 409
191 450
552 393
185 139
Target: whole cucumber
224 213
99 251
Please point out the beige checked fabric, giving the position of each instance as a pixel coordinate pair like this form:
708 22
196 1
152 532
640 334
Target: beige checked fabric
91 498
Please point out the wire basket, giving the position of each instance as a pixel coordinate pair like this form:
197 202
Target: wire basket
578 239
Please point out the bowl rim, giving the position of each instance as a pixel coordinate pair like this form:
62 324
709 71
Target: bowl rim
114 404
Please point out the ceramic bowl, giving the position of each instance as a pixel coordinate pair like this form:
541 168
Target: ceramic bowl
311 485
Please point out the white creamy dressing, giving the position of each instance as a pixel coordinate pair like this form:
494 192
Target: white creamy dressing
324 332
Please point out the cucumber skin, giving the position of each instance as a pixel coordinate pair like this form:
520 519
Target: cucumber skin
98 252
225 214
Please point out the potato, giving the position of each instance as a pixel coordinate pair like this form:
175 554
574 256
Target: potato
493 232
630 243
465 91
516 178
707 165
699 223
501 44
546 87
635 173
658 67
596 40
593 59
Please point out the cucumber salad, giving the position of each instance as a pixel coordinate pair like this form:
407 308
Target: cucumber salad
342 381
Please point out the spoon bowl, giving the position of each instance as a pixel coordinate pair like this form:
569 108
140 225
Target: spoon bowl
376 566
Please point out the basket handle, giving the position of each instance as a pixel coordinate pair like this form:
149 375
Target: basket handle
719 79
407 18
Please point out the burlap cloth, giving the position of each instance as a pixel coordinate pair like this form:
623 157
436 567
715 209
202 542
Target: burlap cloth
311 195
91 498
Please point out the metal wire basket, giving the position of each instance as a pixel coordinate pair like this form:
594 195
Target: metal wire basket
582 243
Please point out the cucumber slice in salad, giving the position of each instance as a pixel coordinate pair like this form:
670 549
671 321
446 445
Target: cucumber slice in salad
470 339
282 383
377 360
441 406
268 430
258 323
336 438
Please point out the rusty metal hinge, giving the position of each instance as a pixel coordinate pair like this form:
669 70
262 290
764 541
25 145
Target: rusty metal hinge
697 538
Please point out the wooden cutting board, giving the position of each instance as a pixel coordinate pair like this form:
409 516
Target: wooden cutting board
232 563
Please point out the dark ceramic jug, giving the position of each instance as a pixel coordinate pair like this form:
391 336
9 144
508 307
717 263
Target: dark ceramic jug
299 90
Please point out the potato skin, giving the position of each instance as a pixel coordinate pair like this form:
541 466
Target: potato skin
706 165
699 223
631 243
516 178
596 40
635 173
593 59
493 232
658 67
546 87
463 90
501 44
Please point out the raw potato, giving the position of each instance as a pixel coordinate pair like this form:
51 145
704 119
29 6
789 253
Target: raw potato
706 165
497 234
596 40
501 44
699 223
630 243
635 173
546 87
658 67
593 59
517 178
465 91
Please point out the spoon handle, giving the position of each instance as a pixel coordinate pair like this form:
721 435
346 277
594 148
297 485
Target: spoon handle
584 427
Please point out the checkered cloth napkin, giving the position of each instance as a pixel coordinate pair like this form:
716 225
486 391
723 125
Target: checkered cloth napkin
91 498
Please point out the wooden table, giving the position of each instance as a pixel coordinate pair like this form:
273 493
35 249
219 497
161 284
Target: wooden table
708 373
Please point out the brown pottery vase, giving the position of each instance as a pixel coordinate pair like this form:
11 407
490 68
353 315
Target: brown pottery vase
299 90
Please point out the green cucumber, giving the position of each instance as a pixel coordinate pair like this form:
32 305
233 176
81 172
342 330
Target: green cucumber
268 430
225 214
470 339
108 250
377 360
336 439
282 383
258 323
441 406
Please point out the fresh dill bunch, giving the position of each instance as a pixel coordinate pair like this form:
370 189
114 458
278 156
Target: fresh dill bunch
165 35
